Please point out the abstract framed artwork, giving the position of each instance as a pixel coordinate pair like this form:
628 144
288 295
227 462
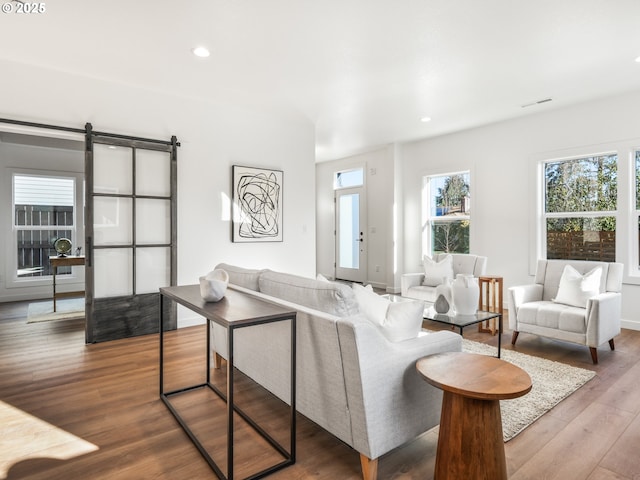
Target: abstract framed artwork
257 203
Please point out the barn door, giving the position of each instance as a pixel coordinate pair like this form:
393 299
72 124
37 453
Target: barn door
130 229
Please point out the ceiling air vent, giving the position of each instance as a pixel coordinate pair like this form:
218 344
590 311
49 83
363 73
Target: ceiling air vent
544 100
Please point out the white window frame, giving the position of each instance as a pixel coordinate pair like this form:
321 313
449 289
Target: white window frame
634 217
427 218
77 229
627 214
361 168
585 214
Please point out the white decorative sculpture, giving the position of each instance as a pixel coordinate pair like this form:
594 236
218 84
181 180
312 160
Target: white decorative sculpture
214 285
466 293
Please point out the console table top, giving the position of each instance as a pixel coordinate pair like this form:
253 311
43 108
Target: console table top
235 309
67 260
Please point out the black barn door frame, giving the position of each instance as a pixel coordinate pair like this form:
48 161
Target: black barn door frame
138 314
129 326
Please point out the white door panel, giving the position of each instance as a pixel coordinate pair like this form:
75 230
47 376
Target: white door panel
351 242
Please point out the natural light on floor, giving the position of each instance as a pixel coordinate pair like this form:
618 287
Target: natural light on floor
23 436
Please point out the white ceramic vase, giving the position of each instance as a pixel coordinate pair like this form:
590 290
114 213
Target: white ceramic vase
213 285
443 298
466 293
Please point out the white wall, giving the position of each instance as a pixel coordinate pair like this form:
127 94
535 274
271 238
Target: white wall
379 179
214 136
501 158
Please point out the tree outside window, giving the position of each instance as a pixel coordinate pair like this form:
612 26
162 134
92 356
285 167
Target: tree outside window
580 208
448 218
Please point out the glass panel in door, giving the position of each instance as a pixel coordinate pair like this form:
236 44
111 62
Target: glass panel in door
351 257
349 238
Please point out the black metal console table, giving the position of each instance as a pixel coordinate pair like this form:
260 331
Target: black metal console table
235 310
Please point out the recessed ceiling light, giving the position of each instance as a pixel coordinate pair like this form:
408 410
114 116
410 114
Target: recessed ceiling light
638 59
425 119
201 52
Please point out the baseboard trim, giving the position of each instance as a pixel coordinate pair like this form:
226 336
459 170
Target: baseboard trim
190 321
630 325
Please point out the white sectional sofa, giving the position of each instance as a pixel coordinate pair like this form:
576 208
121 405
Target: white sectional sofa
412 285
351 380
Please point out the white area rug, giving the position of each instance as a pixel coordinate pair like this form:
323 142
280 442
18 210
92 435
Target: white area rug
66 309
552 382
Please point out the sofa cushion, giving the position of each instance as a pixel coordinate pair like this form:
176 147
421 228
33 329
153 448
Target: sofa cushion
466 263
421 292
329 297
553 315
576 289
438 271
243 277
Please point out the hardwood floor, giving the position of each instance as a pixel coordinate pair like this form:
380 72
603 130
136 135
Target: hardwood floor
107 394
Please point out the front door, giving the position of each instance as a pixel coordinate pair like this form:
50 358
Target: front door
351 242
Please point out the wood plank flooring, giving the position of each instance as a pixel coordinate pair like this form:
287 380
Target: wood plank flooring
107 395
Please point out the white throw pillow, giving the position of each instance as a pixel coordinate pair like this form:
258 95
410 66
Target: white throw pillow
404 321
321 278
575 289
397 321
437 272
371 304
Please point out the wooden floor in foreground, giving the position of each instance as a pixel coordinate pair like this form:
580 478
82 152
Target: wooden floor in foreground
106 396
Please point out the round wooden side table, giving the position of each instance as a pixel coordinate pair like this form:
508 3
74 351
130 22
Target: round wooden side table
470 442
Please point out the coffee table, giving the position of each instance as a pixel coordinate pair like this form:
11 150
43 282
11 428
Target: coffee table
461 321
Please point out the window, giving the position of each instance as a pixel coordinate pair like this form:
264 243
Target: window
637 205
580 208
447 209
43 211
348 178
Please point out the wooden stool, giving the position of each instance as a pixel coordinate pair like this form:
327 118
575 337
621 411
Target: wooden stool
470 441
490 301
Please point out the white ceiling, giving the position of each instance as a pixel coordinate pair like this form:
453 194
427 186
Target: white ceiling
364 72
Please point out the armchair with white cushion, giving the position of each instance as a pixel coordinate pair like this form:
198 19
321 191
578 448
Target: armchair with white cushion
571 300
442 268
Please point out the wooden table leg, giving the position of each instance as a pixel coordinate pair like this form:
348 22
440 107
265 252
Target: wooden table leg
470 442
491 300
55 270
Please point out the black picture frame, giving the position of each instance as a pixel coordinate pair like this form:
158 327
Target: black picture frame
257 204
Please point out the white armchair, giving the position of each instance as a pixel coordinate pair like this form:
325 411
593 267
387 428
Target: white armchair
537 309
411 284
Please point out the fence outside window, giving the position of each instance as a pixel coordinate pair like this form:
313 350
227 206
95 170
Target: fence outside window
38 227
